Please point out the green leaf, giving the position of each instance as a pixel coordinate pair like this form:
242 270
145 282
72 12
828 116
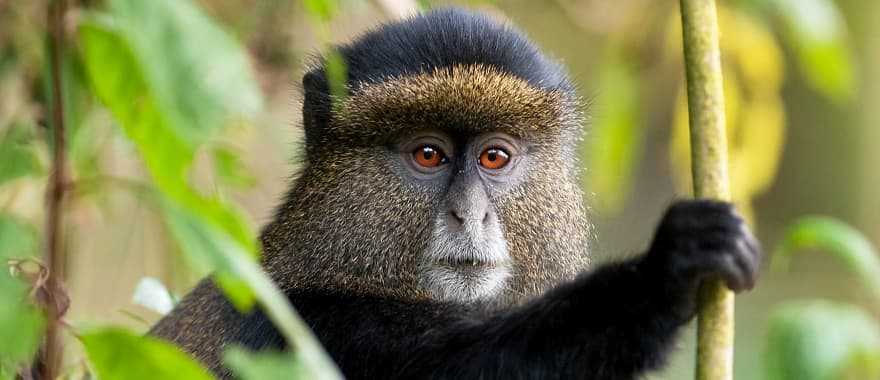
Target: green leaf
264 365
323 10
20 321
196 74
837 238
616 135
821 341
171 77
119 354
817 31
337 76
228 165
17 156
120 84
17 239
211 248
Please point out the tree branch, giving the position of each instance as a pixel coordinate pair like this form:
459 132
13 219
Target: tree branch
709 160
51 352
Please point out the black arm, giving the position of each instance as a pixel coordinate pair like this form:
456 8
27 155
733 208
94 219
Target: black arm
616 322
613 323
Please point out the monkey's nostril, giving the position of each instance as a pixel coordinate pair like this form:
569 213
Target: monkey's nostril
456 218
486 218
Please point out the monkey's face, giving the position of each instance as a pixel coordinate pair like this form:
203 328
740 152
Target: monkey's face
466 257
454 185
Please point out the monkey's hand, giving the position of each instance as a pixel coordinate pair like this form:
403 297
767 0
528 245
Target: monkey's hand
702 239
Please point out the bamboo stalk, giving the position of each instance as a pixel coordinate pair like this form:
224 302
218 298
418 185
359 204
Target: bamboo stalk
709 168
52 350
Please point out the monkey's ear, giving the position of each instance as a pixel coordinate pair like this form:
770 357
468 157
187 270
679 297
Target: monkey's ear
316 104
314 81
316 91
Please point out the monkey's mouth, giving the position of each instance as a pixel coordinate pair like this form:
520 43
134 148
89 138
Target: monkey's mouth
465 263
464 279
464 268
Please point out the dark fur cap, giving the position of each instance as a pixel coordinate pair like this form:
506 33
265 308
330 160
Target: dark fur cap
437 41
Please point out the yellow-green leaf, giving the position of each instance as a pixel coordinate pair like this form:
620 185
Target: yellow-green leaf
117 354
615 140
817 31
171 77
17 155
269 365
323 10
20 321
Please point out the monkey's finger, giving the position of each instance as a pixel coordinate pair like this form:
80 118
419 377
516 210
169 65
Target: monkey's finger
752 243
730 271
747 262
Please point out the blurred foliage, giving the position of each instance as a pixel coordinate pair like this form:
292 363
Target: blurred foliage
818 34
169 106
616 135
337 75
22 157
271 365
322 10
172 78
818 340
322 13
18 157
230 168
77 100
178 85
752 65
116 354
836 238
20 322
822 341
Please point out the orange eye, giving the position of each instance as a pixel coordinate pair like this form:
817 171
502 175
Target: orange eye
429 156
494 158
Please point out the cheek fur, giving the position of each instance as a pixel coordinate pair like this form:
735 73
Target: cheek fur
547 232
352 234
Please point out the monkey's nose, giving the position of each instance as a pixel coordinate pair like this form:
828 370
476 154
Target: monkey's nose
458 220
467 205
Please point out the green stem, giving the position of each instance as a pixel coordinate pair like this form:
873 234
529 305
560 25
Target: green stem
709 159
291 326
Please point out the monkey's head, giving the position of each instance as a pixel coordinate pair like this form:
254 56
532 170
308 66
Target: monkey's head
447 172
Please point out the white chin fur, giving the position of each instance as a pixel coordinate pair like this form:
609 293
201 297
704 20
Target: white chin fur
465 265
463 284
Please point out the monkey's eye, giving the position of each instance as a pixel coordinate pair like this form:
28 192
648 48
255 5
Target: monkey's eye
494 158
429 156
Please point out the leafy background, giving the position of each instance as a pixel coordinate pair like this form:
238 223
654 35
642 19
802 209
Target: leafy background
182 128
